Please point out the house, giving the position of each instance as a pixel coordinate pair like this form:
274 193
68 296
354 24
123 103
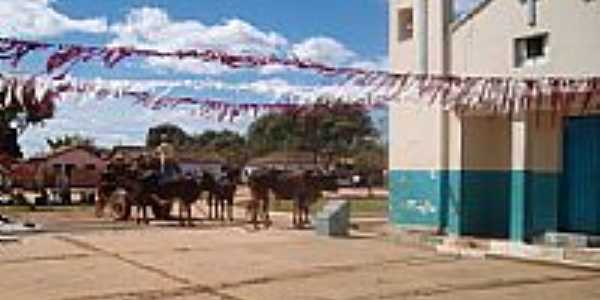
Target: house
4 178
129 152
75 171
195 164
283 160
291 160
6 163
483 174
27 175
69 174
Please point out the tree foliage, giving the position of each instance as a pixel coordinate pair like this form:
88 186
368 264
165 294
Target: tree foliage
16 116
226 144
323 130
166 132
332 132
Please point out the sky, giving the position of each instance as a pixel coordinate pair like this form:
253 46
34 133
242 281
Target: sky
336 32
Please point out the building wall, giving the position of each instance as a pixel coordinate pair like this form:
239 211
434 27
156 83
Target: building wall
485 176
490 185
197 167
76 157
414 163
484 45
543 173
571 48
402 53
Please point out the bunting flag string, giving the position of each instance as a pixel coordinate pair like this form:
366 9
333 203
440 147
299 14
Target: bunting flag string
495 95
64 56
36 97
277 90
499 94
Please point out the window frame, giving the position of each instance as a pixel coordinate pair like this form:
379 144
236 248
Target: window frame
524 56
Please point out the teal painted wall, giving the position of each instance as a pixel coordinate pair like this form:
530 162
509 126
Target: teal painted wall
518 206
485 203
453 195
580 205
415 198
543 194
493 204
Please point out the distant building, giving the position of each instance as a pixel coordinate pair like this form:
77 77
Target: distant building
28 175
286 161
69 174
5 179
129 152
73 173
195 164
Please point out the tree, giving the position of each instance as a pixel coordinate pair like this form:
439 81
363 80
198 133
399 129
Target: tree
69 140
217 139
369 158
173 134
324 130
274 132
227 144
18 114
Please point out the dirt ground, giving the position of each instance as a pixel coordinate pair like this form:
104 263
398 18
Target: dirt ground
83 258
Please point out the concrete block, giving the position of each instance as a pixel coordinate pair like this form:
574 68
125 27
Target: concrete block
583 255
521 250
334 219
566 240
8 239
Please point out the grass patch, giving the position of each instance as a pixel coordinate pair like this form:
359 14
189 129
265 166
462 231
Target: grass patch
44 209
358 208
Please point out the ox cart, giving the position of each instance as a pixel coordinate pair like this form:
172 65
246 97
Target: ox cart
144 185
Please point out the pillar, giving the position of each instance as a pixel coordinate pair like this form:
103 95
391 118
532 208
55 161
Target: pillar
421 30
518 207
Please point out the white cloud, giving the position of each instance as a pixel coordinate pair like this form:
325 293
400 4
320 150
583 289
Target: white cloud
324 50
117 121
37 18
153 28
112 122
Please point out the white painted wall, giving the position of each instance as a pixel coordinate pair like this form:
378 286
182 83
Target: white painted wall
544 148
486 143
414 138
484 45
401 53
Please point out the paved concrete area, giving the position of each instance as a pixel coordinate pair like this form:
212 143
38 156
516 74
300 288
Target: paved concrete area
237 263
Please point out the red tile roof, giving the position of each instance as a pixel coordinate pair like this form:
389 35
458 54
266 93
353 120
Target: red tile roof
6 161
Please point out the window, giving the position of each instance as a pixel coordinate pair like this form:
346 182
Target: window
405 24
531 51
90 167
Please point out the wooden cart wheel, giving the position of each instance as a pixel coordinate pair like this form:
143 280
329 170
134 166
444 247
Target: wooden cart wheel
120 206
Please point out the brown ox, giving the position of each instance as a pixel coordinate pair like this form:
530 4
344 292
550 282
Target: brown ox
221 193
302 187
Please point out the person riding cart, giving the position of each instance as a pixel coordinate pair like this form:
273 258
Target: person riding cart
169 168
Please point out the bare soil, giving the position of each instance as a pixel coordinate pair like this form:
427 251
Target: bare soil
84 258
